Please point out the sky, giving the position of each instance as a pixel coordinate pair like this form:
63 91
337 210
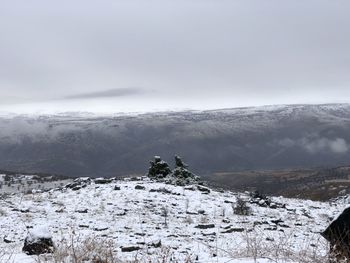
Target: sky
131 56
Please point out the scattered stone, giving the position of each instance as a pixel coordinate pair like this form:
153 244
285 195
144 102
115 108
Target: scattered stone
226 227
116 188
136 178
205 226
191 213
264 201
256 223
83 180
102 180
140 187
72 185
277 221
22 210
82 211
8 240
284 225
233 229
306 214
209 234
155 244
190 188
203 189
161 190
78 183
274 228
100 228
273 206
130 248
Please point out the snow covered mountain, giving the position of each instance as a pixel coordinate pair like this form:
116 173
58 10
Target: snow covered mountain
146 221
271 137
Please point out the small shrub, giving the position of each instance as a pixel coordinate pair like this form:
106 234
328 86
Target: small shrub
241 207
165 213
91 249
2 212
188 220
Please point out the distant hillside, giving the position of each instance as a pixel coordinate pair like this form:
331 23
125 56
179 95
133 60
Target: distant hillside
273 137
316 184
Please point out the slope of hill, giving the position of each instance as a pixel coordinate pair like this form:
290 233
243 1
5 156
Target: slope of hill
274 137
15 182
145 221
316 184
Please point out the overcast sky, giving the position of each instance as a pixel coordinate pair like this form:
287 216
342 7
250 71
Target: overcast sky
110 55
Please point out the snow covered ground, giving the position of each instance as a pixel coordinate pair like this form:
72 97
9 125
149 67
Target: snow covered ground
161 222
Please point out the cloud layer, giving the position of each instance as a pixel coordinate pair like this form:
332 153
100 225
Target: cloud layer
315 144
216 53
107 93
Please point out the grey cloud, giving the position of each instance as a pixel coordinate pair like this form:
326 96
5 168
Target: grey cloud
17 129
337 145
315 144
107 93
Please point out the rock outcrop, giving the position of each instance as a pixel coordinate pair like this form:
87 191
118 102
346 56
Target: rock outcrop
160 170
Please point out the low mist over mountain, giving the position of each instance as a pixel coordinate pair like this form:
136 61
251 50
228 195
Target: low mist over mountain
272 137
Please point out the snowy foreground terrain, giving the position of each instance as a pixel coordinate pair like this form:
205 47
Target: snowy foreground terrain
145 221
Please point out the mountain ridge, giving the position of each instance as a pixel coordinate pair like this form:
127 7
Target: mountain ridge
267 137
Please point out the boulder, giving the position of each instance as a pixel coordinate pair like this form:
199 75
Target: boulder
338 235
38 241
